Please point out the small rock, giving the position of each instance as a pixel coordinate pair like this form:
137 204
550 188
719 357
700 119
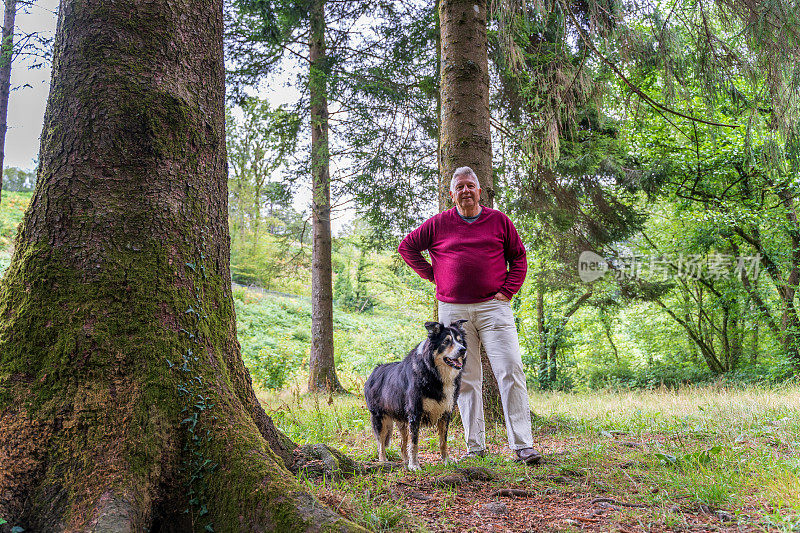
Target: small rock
631 444
724 516
571 522
419 496
496 507
450 480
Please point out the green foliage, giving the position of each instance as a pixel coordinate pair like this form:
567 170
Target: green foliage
18 180
12 209
274 334
691 459
353 294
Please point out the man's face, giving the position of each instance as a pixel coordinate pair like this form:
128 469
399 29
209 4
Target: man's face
467 193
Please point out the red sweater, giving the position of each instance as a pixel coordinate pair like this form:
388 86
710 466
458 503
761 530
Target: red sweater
469 259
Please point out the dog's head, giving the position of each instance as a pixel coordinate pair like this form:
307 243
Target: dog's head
448 344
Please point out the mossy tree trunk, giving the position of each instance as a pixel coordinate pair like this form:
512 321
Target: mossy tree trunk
322 369
123 397
6 55
465 136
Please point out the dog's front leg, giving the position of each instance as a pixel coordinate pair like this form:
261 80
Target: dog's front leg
403 427
413 445
442 425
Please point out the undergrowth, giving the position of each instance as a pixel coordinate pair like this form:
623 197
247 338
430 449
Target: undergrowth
275 336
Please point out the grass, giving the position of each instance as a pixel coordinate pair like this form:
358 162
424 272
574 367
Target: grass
12 210
710 457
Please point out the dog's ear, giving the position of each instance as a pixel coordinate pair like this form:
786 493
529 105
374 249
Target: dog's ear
459 323
434 328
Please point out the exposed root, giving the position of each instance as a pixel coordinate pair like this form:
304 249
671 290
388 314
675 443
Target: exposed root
621 504
514 493
114 515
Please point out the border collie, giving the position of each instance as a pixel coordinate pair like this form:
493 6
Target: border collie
420 389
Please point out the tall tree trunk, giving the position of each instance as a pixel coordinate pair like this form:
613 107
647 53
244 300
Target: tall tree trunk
465 133
322 369
544 374
124 402
6 55
606 321
465 136
445 202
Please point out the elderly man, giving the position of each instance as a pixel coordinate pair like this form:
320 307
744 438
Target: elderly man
470 246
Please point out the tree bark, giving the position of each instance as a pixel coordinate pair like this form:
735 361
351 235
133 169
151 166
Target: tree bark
6 55
124 402
322 369
544 342
465 135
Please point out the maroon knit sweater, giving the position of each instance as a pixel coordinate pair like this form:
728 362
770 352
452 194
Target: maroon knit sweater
469 259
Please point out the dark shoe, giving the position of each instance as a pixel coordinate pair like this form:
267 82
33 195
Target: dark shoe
473 454
529 456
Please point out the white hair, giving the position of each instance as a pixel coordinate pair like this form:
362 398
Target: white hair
463 171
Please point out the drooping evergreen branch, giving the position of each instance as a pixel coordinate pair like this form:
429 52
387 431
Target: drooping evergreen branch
644 96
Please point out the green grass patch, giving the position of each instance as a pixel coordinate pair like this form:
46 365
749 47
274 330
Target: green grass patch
699 457
12 210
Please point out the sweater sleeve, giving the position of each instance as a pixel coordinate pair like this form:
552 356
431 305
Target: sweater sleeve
411 248
517 260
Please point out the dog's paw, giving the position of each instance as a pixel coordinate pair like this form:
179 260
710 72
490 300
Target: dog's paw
414 466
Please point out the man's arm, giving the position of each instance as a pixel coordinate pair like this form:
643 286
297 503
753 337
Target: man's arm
411 250
517 260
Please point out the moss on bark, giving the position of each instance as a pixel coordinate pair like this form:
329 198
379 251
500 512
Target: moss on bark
124 402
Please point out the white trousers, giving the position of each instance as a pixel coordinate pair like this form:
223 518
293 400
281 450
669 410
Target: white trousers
491 324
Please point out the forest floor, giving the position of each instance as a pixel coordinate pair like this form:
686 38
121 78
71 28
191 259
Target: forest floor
701 459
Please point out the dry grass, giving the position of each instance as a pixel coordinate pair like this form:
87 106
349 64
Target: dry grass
713 458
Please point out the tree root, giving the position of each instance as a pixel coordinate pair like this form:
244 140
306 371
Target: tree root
321 461
621 504
514 492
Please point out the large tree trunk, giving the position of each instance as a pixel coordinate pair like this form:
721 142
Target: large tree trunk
124 401
6 55
322 369
465 136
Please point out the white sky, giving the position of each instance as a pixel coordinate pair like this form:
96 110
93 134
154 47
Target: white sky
26 105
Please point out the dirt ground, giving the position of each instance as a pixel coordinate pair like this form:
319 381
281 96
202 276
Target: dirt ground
554 501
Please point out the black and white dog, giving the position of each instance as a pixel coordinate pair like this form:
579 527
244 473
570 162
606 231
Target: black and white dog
420 389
